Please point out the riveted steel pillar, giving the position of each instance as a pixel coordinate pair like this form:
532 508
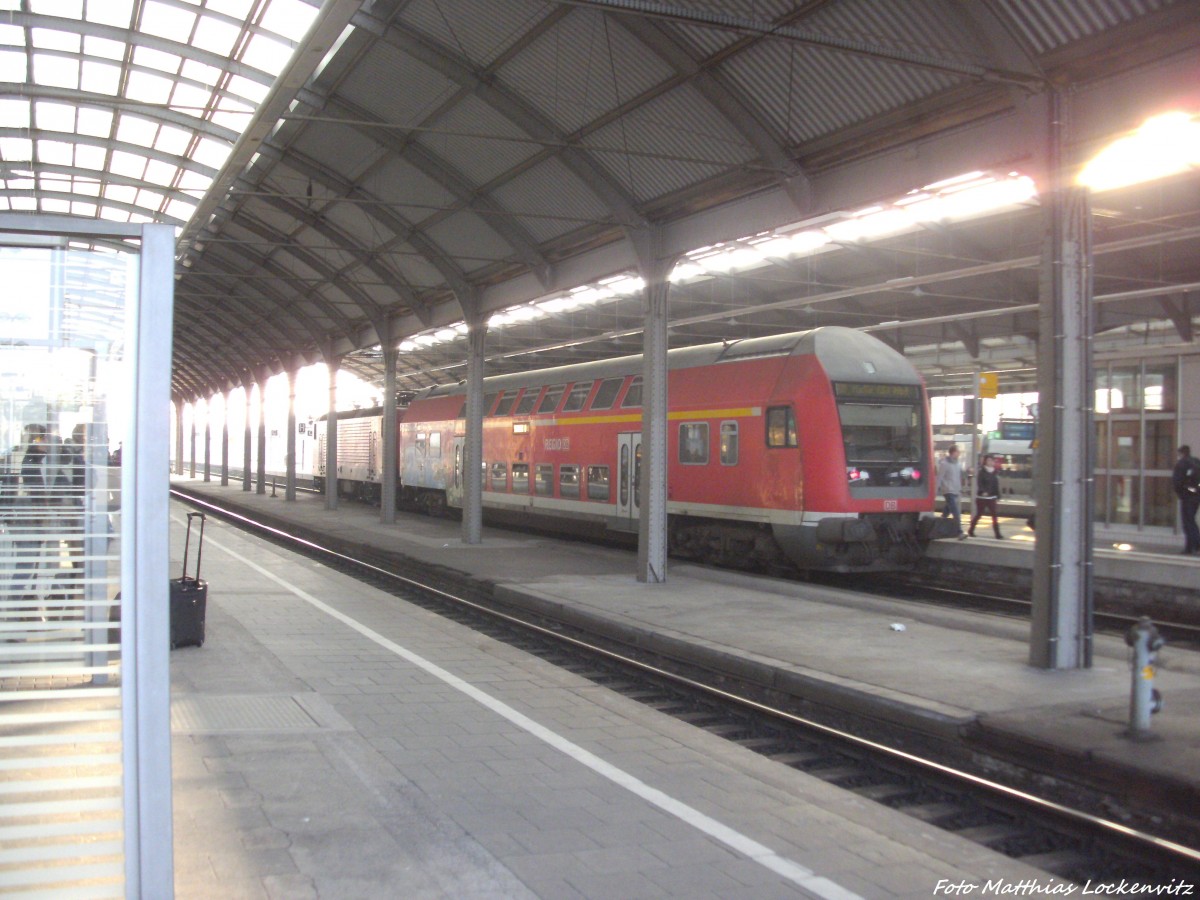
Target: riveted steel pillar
178 436
289 490
1061 634
472 517
391 446
331 434
652 526
246 442
225 439
261 487
207 442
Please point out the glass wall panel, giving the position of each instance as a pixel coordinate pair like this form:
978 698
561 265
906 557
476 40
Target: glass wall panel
1123 499
1161 504
1127 444
1160 444
1123 389
1158 388
63 387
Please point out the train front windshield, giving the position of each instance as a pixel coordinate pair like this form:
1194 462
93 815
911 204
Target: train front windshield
883 432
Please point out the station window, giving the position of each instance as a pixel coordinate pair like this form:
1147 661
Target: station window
598 483
520 482
578 396
525 407
633 396
489 400
550 400
543 479
781 427
499 480
568 481
607 394
435 445
504 407
693 443
729 443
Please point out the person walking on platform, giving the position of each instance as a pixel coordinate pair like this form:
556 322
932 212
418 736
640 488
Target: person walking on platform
949 485
1186 481
987 494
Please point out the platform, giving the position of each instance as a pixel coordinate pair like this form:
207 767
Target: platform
945 671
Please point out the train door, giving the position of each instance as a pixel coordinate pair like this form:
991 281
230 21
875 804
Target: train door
454 485
629 478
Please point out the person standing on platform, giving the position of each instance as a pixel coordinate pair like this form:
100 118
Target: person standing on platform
949 485
1186 481
987 494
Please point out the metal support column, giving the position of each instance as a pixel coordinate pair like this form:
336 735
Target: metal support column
391 446
225 439
289 490
1061 635
192 445
247 441
207 443
261 487
331 435
472 473
652 526
178 436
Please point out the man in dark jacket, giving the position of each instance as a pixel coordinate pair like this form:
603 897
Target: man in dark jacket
1186 481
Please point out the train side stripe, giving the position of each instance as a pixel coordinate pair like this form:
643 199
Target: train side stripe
745 412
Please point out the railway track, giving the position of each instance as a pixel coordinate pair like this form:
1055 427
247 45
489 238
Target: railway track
1065 830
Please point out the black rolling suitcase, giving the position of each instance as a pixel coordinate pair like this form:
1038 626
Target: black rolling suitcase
189 596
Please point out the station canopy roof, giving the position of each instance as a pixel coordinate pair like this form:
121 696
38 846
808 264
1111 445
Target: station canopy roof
347 173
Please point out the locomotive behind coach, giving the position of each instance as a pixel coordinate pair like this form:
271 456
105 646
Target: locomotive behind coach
812 447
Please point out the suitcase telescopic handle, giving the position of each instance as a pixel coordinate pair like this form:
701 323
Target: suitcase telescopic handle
199 544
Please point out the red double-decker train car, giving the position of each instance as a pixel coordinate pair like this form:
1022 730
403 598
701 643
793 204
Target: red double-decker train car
812 447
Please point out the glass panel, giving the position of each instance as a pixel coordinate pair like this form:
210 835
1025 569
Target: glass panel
568 481
1160 444
598 488
623 474
578 396
633 396
1123 499
1158 388
729 443
1100 499
520 481
607 394
504 407
1127 449
1161 503
544 480
499 480
63 406
1123 389
488 400
1102 445
781 427
550 400
693 443
435 445
525 407
884 443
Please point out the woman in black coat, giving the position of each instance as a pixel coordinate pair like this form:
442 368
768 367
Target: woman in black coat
987 493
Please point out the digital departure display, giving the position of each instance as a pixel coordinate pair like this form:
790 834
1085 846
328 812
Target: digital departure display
880 393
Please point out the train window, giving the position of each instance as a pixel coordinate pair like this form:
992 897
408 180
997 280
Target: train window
729 443
597 482
435 445
578 396
488 401
499 479
525 407
633 396
607 394
419 443
693 443
550 401
504 407
568 481
781 427
543 479
520 484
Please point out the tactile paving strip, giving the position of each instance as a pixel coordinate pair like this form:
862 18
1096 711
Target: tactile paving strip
226 714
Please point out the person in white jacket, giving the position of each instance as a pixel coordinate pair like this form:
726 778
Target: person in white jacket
949 485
